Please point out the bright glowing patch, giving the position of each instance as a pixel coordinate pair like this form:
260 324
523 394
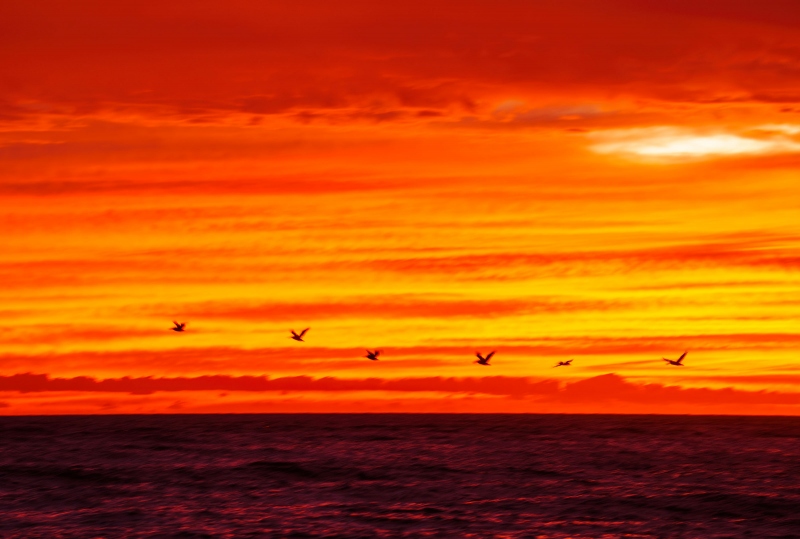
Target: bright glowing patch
670 142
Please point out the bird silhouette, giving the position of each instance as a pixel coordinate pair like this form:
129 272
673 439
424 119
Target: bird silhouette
563 364
178 327
484 360
678 362
299 337
373 355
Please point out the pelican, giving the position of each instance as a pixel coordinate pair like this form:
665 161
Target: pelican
563 364
178 327
484 360
299 337
373 355
678 362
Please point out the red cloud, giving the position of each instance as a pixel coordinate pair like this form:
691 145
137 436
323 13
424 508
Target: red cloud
612 387
606 388
490 385
242 57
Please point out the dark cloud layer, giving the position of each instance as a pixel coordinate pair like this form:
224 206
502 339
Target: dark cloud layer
381 61
492 385
599 389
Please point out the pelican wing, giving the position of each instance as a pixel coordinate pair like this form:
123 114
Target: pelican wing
490 355
304 331
683 355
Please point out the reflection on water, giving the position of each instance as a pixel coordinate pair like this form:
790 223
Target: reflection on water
399 476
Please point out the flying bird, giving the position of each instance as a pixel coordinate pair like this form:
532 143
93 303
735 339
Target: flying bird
678 362
373 355
484 360
563 364
178 327
299 337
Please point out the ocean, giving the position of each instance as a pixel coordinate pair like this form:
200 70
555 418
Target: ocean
354 476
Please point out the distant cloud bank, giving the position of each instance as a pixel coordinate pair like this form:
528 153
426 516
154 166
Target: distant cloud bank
607 387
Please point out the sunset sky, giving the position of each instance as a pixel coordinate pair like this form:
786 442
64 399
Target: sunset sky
613 182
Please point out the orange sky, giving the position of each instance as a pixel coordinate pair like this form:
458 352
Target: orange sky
611 182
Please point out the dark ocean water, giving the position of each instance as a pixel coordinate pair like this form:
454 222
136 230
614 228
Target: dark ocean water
350 476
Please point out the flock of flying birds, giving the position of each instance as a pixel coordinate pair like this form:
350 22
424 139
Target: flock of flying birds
373 354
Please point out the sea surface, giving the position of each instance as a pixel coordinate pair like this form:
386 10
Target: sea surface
353 476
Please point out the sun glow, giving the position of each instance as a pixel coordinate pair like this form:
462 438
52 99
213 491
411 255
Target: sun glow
670 142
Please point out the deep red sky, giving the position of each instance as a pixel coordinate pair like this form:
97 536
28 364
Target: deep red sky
612 182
